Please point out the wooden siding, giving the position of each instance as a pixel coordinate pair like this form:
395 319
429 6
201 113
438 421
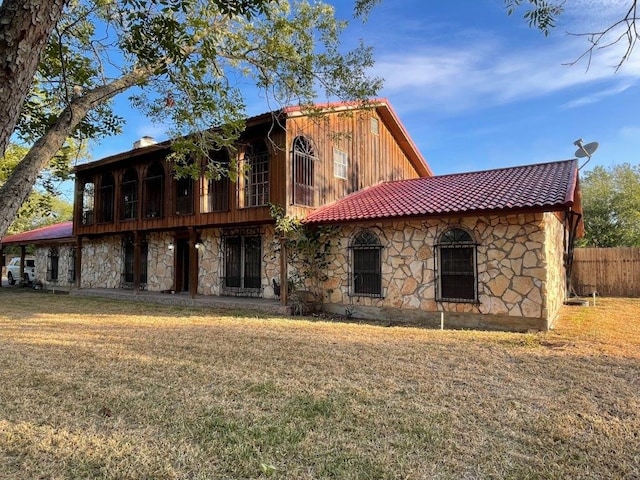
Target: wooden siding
170 219
613 272
372 158
385 154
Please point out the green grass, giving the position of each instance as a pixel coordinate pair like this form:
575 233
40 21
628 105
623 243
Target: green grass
113 390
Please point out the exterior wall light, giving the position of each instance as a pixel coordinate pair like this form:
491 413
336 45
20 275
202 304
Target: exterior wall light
199 244
171 246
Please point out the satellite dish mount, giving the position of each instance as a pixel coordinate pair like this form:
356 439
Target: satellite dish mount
585 150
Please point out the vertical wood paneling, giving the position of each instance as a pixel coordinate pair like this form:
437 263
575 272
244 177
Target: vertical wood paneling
611 272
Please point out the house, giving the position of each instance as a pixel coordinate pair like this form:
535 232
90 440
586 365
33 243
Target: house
140 227
55 254
488 249
485 249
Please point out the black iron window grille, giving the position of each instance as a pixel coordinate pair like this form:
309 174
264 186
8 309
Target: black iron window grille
303 159
457 263
242 263
52 264
366 256
71 272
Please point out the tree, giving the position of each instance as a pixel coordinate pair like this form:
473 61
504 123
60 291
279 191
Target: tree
611 205
43 206
188 60
542 14
25 29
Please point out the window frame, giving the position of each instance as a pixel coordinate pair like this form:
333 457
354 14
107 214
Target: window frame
245 257
453 240
366 244
129 195
149 194
340 163
257 159
303 172
53 264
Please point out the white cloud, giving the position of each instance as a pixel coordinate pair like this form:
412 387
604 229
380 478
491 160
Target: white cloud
455 79
596 96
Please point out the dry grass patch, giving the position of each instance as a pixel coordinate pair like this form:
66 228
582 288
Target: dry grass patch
104 389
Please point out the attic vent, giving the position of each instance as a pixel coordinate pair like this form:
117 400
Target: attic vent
144 142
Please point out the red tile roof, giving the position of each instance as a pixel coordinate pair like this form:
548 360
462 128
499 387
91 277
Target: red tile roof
58 231
541 187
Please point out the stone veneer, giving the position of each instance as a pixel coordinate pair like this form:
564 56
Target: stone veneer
520 279
64 265
102 262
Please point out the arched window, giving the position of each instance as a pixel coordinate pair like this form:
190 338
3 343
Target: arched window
129 195
216 192
457 262
106 197
302 169
256 191
366 253
153 191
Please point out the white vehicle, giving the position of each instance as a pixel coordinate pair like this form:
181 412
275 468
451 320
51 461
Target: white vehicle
13 270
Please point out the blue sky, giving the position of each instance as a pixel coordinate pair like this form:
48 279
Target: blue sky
477 89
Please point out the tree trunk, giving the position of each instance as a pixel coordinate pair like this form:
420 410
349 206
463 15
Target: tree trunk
25 26
18 186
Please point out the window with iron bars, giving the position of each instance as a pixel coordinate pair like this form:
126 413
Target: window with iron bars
303 172
128 263
457 262
71 272
53 261
256 190
242 262
366 255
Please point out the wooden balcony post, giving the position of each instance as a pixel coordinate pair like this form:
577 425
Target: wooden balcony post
193 262
78 262
136 261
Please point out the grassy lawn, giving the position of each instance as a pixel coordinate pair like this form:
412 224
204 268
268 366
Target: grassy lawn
108 390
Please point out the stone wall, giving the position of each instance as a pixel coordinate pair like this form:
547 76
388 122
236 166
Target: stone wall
512 272
101 262
64 265
159 261
556 274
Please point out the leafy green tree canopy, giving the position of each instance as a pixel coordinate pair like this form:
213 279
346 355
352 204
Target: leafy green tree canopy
190 62
611 205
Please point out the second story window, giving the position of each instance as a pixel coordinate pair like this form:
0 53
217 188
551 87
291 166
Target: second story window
216 191
302 168
340 163
152 195
88 198
129 195
256 190
106 193
183 189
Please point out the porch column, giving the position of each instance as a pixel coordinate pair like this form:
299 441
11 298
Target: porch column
78 262
284 275
193 263
23 252
136 261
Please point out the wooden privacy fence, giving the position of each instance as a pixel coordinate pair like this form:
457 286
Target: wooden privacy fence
612 272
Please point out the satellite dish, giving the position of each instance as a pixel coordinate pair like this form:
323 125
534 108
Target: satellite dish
585 150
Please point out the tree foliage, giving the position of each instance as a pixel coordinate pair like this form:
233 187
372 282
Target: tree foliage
543 14
611 205
187 64
43 206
